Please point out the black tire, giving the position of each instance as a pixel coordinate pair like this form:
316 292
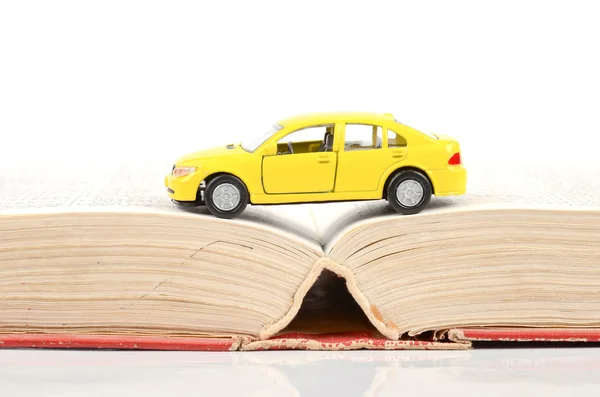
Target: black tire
213 206
409 175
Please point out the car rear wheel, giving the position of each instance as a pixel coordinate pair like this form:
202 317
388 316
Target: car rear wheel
409 192
226 196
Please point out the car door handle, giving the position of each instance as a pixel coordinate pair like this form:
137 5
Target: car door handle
398 153
324 159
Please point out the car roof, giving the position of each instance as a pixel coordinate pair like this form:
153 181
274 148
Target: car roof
332 117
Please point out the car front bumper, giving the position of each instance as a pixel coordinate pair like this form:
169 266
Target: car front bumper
183 189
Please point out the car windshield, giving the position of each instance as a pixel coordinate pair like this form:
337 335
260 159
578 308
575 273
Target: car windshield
253 144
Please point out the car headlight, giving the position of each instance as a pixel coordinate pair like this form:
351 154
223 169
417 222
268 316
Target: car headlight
182 171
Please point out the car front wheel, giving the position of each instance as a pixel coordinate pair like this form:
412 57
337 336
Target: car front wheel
409 192
225 196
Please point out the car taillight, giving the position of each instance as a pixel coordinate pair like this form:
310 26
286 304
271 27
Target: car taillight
455 159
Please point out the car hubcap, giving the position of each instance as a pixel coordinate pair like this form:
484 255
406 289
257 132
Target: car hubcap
409 193
226 197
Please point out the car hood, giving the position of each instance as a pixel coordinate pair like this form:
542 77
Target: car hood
216 152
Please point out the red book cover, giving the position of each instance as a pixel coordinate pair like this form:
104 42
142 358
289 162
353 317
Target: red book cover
457 339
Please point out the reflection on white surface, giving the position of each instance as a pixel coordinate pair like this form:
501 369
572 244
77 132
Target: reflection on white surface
299 373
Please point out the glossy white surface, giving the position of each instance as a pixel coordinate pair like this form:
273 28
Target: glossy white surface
504 372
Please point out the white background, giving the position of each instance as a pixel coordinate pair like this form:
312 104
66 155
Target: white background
93 82
84 81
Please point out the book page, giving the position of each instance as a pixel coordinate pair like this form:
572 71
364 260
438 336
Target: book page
492 182
124 186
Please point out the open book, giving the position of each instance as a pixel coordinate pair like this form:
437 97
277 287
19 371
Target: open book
101 258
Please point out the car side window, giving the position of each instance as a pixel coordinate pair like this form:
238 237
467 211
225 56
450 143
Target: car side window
311 139
362 137
395 140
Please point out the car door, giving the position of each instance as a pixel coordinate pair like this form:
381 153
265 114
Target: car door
302 163
364 157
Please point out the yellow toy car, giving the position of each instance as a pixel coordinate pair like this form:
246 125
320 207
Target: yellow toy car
322 157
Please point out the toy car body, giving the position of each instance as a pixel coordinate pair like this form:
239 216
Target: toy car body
322 157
